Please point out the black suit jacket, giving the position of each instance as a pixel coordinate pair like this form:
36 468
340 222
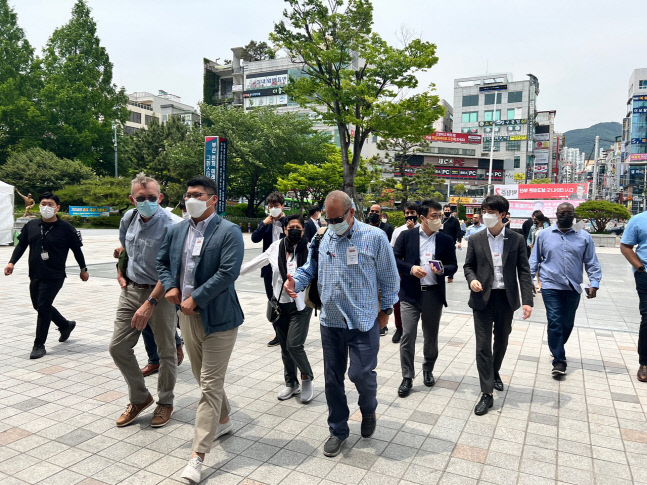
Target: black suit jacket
407 255
264 233
479 266
452 228
310 230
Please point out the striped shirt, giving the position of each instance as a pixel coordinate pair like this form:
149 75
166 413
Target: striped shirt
349 293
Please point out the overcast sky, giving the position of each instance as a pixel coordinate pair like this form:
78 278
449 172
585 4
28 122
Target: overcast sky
582 51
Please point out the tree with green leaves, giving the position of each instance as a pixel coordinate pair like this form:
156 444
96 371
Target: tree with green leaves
102 191
78 97
21 122
459 189
353 79
257 51
36 170
422 185
601 212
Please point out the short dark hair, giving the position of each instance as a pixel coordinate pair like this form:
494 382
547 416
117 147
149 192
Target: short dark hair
49 196
182 205
314 209
202 181
537 213
428 204
276 198
294 217
496 203
411 206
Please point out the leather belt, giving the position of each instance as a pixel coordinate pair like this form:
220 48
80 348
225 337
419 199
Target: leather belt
141 287
428 287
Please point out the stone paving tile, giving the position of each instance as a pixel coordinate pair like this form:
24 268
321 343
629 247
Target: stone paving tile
57 414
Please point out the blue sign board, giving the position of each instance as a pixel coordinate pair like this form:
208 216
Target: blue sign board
88 211
640 110
639 141
215 167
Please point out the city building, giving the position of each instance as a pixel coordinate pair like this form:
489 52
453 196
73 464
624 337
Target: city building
502 111
144 106
634 137
446 123
572 164
545 164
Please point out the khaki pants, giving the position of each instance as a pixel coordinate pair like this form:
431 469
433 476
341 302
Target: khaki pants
125 337
209 356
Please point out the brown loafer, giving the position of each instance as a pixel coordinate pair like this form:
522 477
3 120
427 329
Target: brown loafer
642 373
150 369
161 416
132 411
180 354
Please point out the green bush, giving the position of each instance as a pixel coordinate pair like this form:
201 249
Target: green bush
396 218
240 210
243 221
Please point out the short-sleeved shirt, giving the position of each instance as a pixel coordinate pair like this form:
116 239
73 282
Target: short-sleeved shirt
636 234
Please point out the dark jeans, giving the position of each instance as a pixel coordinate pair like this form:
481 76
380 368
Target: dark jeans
641 288
338 344
495 320
42 294
151 346
292 331
561 306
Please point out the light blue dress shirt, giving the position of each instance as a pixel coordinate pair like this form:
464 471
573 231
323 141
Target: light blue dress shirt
559 257
349 293
473 229
636 233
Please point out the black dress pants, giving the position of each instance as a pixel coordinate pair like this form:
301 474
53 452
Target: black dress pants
43 292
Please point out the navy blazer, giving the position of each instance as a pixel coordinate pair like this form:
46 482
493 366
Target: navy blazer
407 255
310 229
264 233
216 269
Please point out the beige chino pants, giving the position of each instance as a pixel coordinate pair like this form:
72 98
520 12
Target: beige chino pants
209 356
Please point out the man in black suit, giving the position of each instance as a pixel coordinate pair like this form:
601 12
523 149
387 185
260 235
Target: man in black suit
495 259
375 219
452 228
422 289
269 231
313 224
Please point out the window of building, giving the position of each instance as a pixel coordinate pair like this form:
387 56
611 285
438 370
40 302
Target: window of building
642 84
147 119
374 138
129 130
487 115
515 96
135 117
517 162
487 143
489 98
470 117
510 114
164 118
468 151
513 146
470 100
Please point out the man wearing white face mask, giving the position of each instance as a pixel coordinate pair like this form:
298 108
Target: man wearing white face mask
495 259
49 240
141 233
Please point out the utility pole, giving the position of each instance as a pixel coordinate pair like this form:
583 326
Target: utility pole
114 127
489 178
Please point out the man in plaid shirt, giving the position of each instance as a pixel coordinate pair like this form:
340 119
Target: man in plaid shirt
358 286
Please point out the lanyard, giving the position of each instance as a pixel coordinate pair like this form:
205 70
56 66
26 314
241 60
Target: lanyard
43 234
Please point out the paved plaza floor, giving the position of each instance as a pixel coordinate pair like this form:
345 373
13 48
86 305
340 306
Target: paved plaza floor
57 414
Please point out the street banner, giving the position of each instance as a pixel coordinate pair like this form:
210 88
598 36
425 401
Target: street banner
215 167
543 191
87 211
638 156
525 208
454 137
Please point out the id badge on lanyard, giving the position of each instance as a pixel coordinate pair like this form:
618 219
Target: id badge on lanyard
197 247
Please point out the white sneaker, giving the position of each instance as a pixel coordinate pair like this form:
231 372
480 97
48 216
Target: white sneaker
287 392
307 391
223 429
193 471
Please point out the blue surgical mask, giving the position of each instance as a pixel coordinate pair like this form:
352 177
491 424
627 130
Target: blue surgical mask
147 208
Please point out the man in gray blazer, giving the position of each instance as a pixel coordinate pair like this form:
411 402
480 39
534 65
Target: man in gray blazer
198 264
495 259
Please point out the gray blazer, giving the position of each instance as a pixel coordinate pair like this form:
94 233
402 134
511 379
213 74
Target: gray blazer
216 270
479 266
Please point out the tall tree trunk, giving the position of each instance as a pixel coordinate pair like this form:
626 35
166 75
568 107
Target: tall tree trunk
251 206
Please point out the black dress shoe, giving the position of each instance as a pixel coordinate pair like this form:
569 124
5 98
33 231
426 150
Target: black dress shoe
65 333
274 342
368 424
397 336
405 387
384 331
484 404
559 369
498 383
333 446
428 378
37 352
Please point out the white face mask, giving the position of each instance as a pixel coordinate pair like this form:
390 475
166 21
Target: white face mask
47 212
195 207
340 228
490 220
275 212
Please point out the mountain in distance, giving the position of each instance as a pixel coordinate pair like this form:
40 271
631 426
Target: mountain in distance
584 138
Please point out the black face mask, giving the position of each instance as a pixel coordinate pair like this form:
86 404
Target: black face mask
373 218
294 235
565 220
447 214
411 218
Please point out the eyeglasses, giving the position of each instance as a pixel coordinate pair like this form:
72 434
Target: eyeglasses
337 220
196 195
150 198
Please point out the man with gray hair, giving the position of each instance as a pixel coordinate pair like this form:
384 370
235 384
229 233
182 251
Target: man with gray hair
141 233
358 285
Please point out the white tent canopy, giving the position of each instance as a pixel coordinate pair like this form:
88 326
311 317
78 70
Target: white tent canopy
6 213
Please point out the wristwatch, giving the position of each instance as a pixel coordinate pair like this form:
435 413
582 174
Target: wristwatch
152 300
641 269
388 311
84 270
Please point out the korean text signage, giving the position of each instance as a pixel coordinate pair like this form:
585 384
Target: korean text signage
640 97
215 167
640 110
465 173
543 191
525 208
264 92
266 80
639 141
638 156
452 162
88 211
466 200
519 176
454 137
522 121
